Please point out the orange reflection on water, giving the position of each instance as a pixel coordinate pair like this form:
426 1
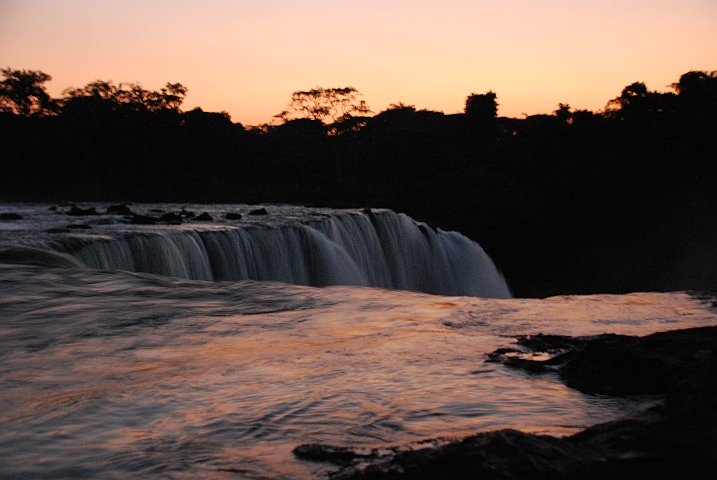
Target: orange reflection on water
213 380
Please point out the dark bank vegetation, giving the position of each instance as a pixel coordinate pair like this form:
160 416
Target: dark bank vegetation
573 201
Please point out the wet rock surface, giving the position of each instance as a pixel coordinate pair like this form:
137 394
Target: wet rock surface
76 211
675 439
259 211
204 217
171 218
120 209
617 364
138 219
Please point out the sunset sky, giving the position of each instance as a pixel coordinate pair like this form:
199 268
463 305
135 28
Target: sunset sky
247 56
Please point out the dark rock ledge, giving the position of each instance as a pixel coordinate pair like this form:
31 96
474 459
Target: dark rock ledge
675 439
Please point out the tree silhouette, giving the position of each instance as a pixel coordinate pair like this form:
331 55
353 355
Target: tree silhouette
400 106
481 111
697 106
482 105
22 92
563 113
637 104
336 104
697 92
98 89
697 82
632 97
132 95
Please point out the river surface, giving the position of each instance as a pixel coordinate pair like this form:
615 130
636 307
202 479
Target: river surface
114 374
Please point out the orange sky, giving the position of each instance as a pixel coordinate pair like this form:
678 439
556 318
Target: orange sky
247 56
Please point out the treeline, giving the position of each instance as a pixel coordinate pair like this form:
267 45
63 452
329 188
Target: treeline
569 202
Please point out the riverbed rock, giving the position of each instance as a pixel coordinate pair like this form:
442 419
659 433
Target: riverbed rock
674 439
120 209
259 211
204 217
82 212
138 219
611 364
171 218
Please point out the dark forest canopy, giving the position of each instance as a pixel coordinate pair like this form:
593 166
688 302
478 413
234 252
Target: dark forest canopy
565 202
128 95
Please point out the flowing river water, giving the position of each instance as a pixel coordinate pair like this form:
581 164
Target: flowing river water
107 373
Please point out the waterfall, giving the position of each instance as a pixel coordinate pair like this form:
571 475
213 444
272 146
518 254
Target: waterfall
380 249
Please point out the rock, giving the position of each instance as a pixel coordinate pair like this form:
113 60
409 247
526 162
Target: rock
204 217
82 212
617 364
676 439
232 216
171 218
10 216
39 257
186 213
138 219
259 211
618 369
503 454
119 210
325 453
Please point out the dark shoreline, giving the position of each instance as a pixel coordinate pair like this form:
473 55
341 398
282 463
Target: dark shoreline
675 439
567 202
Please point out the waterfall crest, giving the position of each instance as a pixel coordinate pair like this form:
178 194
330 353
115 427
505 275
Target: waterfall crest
380 249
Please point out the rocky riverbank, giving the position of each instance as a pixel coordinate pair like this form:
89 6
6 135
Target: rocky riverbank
675 439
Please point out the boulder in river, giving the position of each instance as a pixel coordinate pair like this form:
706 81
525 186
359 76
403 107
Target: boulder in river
259 211
675 439
171 218
204 217
138 219
82 212
119 210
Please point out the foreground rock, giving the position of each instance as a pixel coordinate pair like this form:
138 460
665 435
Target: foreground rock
676 439
618 364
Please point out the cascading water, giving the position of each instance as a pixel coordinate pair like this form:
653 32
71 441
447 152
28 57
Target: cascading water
361 248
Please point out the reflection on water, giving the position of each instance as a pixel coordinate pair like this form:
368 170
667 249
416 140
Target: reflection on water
117 374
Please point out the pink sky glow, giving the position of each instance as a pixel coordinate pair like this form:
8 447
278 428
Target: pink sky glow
247 56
